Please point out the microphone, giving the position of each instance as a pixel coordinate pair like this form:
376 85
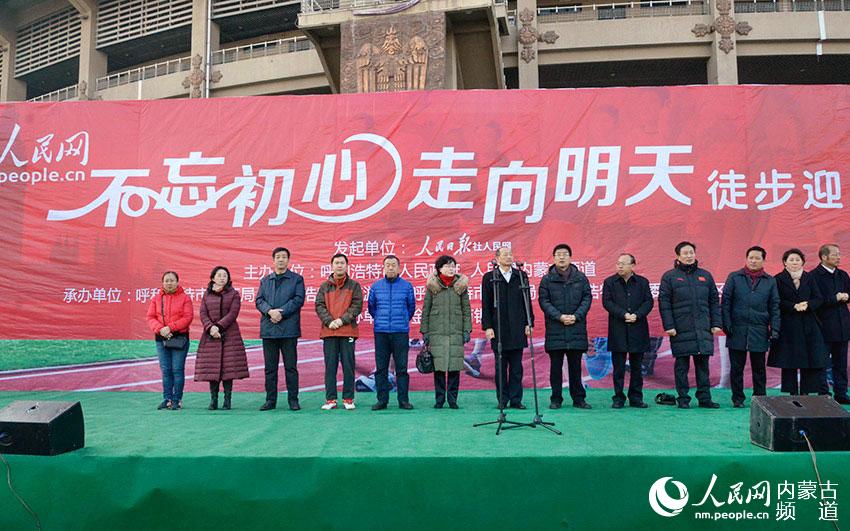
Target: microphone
519 265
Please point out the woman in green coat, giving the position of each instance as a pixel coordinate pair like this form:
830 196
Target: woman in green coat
446 325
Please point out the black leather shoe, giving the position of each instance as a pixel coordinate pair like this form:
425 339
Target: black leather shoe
684 405
378 406
582 405
555 405
737 404
501 405
518 406
641 405
438 405
405 405
294 406
165 404
454 405
843 399
267 406
617 405
709 405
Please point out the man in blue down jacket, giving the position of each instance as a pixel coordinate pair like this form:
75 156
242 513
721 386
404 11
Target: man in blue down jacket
279 302
750 321
834 316
391 305
628 299
690 314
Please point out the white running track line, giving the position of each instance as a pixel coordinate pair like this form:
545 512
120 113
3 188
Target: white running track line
188 376
254 368
100 366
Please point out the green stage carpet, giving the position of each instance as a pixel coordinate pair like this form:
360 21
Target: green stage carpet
422 469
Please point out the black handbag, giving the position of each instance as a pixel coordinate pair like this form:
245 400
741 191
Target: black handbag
424 360
178 342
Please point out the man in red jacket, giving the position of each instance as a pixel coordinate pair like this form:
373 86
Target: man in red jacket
338 304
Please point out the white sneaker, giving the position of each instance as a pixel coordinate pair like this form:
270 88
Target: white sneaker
347 403
329 404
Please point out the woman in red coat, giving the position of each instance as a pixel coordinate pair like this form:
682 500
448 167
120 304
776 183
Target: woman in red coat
221 353
169 316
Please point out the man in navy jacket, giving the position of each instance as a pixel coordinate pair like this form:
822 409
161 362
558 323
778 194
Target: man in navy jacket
279 302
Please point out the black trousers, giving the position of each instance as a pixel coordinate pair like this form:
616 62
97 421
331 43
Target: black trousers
618 360
228 386
509 372
811 381
446 383
397 346
681 367
556 375
339 349
272 351
738 360
838 353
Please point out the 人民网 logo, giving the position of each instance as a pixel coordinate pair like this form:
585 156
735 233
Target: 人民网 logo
664 504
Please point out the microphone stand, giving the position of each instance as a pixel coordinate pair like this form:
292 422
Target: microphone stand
526 299
496 279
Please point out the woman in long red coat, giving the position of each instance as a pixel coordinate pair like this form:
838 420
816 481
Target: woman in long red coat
221 352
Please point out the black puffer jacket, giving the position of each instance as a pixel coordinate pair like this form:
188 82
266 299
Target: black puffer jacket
688 302
558 296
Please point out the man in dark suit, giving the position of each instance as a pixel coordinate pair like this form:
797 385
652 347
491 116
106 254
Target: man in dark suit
628 300
834 316
513 328
279 302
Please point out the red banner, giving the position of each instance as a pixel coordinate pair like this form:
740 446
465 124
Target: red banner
97 199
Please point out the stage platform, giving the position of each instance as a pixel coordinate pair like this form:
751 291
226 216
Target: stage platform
393 469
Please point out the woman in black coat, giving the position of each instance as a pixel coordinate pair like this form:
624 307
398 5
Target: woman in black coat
800 345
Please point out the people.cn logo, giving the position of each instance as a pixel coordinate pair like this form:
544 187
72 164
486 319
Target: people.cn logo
662 503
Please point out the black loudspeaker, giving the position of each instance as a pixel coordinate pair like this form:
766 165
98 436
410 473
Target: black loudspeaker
776 422
41 428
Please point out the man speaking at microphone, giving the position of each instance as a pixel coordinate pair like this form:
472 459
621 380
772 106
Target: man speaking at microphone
513 328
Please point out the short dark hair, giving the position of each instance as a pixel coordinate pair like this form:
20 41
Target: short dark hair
824 249
443 260
796 251
759 249
630 255
281 249
392 257
562 246
170 273
339 255
215 270
682 245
